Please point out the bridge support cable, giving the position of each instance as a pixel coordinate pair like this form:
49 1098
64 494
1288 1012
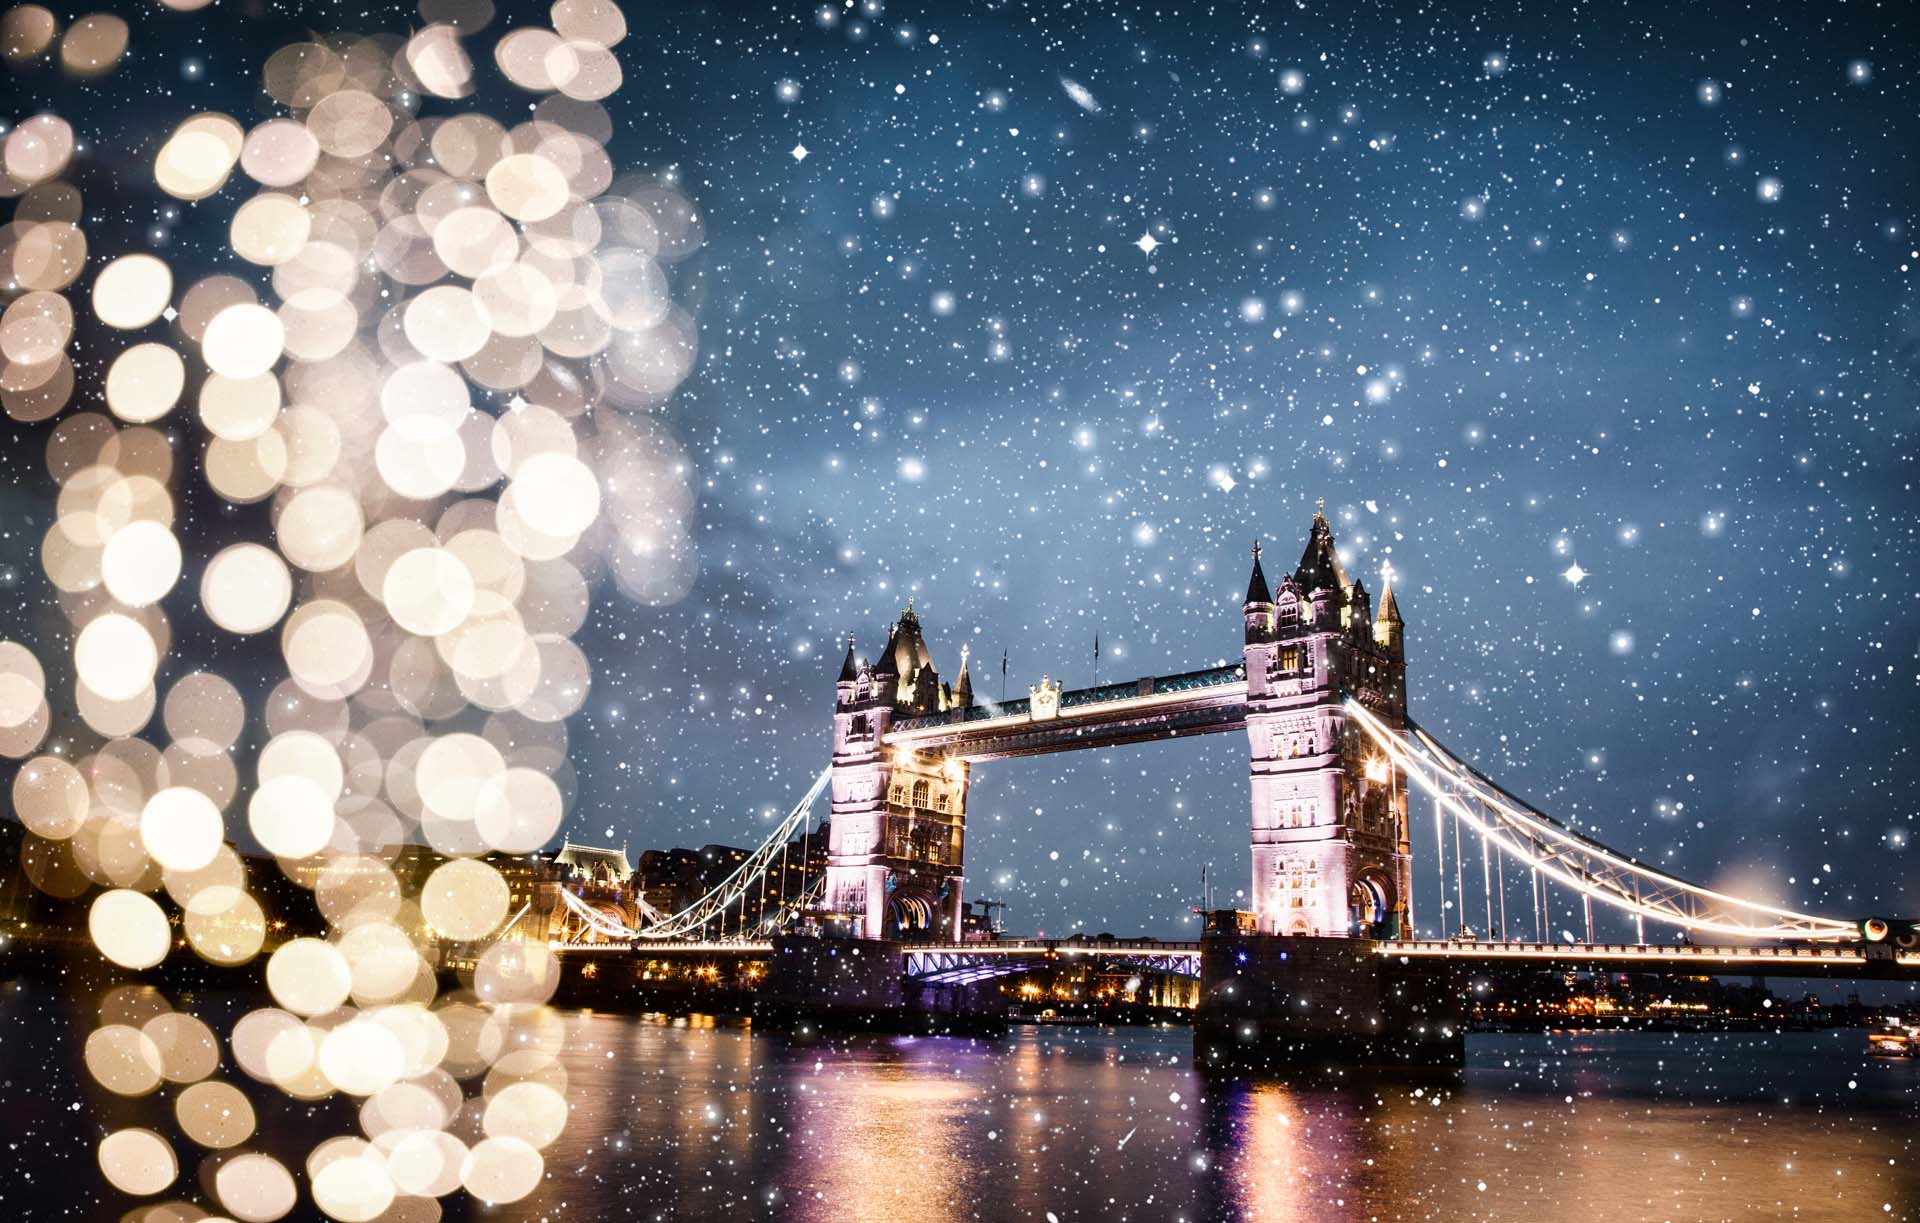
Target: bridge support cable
1557 853
1459 883
1533 890
1440 861
1486 884
752 869
1500 877
721 900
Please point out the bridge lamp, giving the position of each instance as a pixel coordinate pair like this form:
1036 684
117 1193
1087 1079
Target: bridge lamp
952 768
1376 768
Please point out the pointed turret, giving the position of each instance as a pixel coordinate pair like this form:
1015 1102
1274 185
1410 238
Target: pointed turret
1259 605
1319 567
1389 612
907 647
849 670
1389 631
963 683
1359 609
1257 591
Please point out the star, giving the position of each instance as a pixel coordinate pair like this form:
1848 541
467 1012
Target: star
1147 244
1574 574
799 152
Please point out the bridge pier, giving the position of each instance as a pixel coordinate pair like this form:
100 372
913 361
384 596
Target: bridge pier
859 985
1271 1001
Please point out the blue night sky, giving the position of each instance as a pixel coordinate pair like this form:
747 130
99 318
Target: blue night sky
1597 323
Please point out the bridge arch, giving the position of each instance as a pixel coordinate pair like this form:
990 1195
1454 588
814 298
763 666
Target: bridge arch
1369 903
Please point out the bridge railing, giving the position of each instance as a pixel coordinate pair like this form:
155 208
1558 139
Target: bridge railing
1633 951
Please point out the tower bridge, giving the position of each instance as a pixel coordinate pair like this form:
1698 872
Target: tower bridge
1330 843
1328 955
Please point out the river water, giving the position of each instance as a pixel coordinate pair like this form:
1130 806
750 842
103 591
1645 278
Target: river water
687 1120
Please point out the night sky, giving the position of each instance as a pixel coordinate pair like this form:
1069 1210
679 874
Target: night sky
1597 323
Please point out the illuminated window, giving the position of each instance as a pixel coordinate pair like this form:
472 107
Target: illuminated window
1290 658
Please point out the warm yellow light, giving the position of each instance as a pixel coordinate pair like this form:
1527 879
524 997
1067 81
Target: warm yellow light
465 899
132 291
129 928
246 588
138 1161
243 341
115 656
181 828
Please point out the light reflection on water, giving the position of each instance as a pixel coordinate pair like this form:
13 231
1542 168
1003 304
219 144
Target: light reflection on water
1111 1124
673 1120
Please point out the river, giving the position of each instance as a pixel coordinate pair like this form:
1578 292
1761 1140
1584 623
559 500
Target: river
691 1120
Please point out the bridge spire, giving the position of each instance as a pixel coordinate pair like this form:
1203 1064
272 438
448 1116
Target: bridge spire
1257 590
849 671
1320 567
1389 612
963 682
1388 628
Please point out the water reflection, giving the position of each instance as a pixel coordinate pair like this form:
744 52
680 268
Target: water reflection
693 1120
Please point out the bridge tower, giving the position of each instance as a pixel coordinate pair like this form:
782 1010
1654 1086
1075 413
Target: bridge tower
895 848
1331 854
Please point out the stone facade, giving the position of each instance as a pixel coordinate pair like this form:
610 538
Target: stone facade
1331 855
899 818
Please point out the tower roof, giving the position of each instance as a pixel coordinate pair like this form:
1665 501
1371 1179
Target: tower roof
848 671
907 647
593 859
1320 567
883 664
1257 591
1389 611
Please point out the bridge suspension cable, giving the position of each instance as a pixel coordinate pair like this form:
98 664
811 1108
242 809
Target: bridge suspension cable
729 895
1552 850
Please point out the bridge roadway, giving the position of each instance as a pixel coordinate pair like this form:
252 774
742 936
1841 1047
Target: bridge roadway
965 963
1201 702
1863 961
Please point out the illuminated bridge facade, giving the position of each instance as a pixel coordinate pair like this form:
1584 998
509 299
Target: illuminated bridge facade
1327 955
1328 820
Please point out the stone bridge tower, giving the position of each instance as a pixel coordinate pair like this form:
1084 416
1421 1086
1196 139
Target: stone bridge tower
1331 854
898 833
